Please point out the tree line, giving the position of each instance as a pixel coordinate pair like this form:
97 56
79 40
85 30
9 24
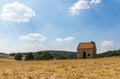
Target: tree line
109 54
44 55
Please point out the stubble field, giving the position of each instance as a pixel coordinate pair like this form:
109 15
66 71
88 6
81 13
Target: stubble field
103 68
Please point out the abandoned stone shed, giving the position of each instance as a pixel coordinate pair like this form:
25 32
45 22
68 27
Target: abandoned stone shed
86 50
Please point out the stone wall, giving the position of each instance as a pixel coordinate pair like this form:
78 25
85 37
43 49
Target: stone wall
85 53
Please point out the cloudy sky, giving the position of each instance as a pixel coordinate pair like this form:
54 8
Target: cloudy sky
34 25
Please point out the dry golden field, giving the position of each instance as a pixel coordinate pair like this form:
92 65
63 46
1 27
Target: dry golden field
104 68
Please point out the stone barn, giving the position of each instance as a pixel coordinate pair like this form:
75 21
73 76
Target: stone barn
86 50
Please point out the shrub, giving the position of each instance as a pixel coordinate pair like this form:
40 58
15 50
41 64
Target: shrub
43 56
62 56
37 57
12 54
18 56
29 56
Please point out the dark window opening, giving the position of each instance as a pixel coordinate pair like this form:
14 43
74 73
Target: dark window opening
88 54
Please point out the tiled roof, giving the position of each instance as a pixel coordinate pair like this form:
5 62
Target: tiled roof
84 45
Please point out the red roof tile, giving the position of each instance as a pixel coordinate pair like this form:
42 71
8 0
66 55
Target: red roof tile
85 45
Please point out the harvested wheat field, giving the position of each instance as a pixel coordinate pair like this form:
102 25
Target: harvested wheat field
103 68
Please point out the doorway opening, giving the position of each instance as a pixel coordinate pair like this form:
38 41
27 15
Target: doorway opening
84 54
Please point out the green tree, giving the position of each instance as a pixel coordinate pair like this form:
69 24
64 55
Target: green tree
18 56
45 55
12 54
62 56
37 57
29 56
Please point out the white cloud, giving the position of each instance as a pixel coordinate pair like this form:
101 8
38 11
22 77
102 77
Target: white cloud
17 12
82 5
78 6
95 1
34 36
65 39
107 43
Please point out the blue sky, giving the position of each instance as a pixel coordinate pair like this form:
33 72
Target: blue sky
34 25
